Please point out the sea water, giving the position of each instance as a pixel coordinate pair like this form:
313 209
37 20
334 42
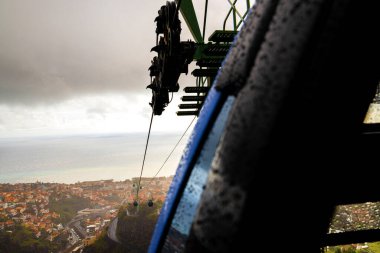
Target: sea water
69 159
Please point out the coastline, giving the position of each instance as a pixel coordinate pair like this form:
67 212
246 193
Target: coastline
72 176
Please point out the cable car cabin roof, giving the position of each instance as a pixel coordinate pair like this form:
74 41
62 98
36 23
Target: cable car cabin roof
291 145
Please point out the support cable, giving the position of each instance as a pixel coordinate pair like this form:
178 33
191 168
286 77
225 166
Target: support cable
167 158
146 147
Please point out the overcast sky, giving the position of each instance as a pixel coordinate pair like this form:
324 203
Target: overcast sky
69 66
74 67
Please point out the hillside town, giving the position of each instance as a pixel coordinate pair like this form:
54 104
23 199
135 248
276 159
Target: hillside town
356 217
72 216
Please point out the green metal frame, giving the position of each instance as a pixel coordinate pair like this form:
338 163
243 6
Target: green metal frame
235 12
190 17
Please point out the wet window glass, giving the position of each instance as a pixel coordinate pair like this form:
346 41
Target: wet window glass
373 247
181 224
355 217
364 218
373 113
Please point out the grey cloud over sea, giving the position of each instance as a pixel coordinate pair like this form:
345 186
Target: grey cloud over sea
54 50
51 50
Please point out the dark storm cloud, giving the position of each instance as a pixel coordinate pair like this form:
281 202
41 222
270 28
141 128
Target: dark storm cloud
51 50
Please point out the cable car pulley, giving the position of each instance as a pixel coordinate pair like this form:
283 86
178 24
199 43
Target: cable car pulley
173 57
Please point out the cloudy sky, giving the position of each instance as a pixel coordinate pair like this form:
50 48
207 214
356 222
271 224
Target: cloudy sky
69 66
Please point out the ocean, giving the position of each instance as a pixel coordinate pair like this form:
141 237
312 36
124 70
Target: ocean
69 159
